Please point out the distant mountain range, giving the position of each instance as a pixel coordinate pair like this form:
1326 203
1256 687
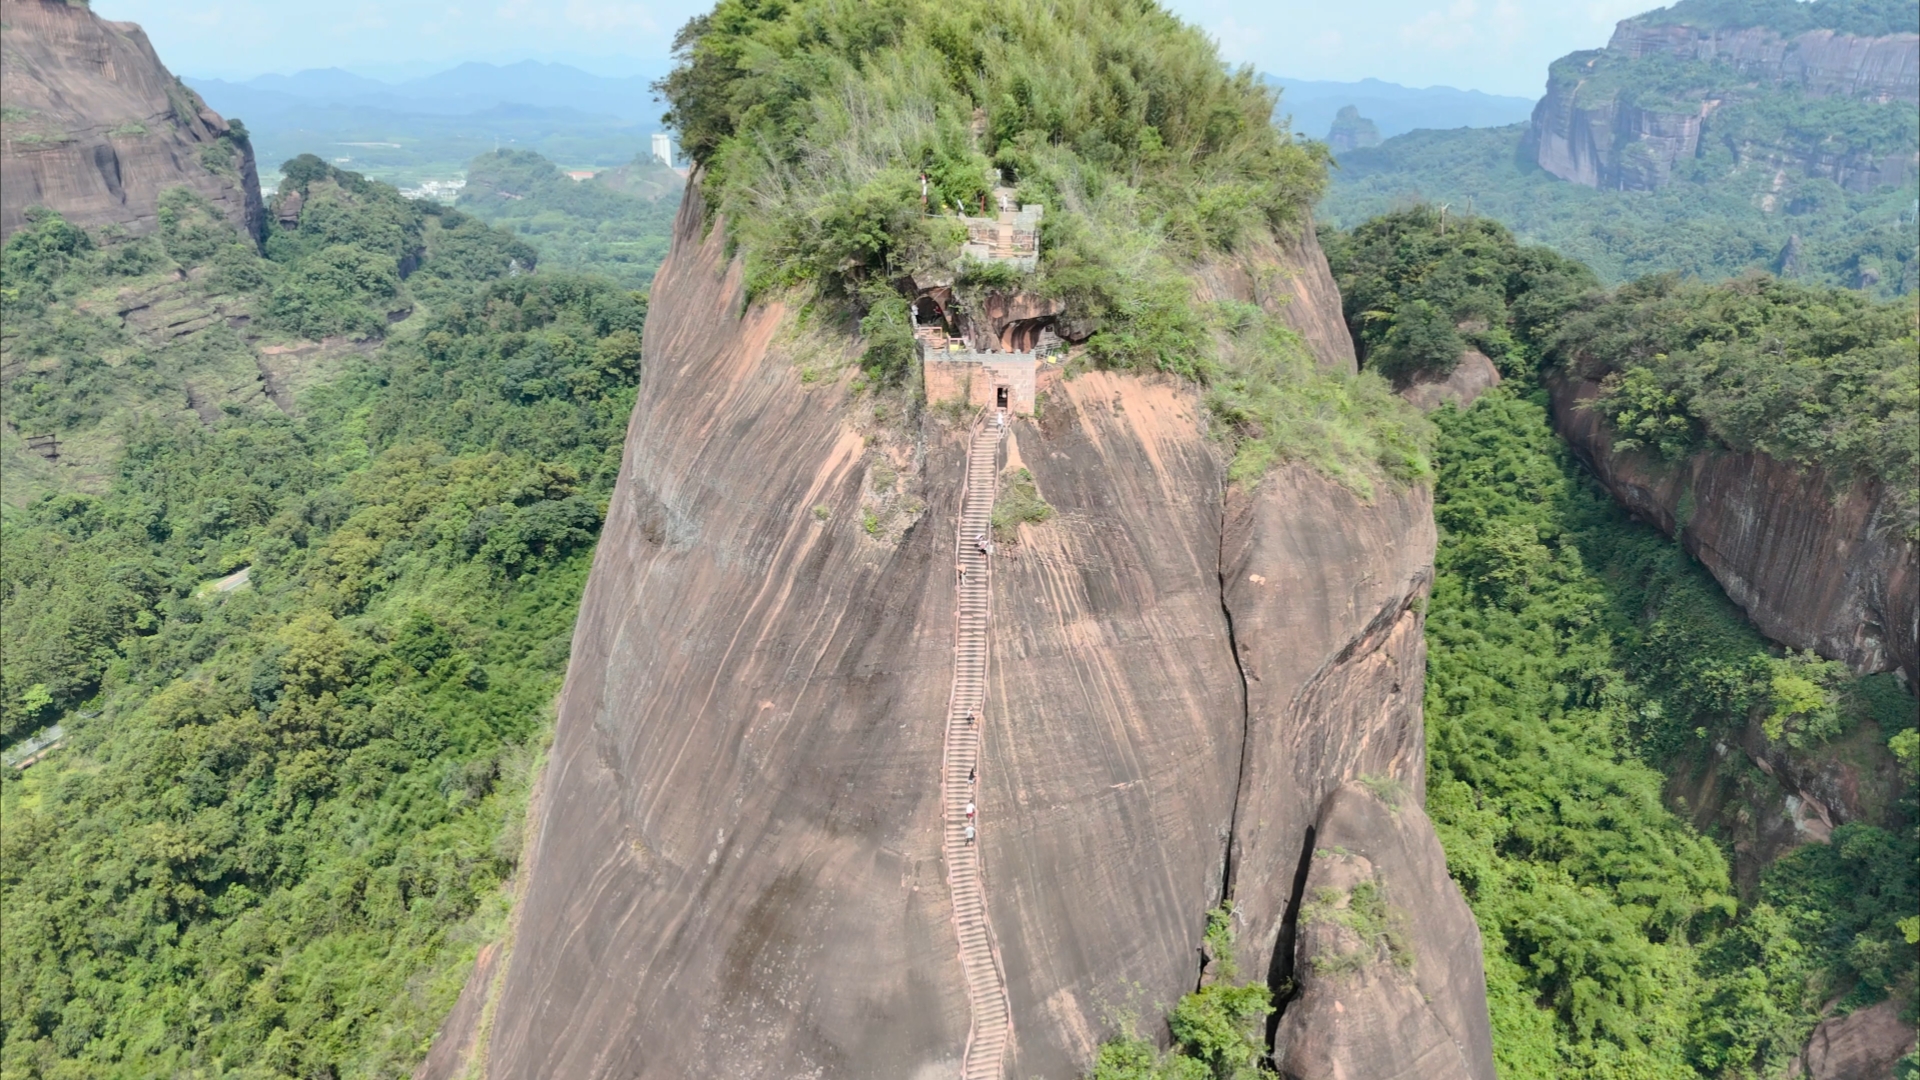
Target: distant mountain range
412 130
1393 108
468 88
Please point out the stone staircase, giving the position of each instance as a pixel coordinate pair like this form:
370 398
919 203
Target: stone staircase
979 956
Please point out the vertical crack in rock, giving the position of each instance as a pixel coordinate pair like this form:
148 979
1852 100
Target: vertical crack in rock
1246 715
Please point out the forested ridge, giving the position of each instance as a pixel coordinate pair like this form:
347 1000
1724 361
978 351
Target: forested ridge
1578 659
278 830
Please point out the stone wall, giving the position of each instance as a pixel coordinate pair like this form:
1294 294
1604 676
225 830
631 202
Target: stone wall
973 378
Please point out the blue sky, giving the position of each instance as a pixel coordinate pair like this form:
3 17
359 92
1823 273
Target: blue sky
1500 46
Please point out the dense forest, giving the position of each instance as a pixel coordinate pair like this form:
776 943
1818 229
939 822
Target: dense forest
277 832
616 224
1578 659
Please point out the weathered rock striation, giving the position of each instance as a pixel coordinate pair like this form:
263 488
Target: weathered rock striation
96 127
1812 568
1606 139
1821 62
737 862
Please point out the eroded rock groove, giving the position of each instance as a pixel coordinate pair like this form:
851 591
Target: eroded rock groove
992 1018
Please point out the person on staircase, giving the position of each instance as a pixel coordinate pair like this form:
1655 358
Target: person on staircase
969 812
969 834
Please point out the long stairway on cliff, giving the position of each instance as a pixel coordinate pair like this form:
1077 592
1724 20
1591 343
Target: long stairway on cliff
979 956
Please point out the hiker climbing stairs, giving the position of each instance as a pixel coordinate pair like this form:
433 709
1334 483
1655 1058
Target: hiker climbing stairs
979 956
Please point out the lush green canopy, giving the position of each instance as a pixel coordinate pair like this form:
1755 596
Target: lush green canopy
277 833
1819 377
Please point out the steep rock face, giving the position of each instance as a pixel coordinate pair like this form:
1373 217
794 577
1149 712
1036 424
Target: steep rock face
97 128
1472 376
1864 1045
1292 281
1606 142
1811 570
1821 61
1387 954
1322 591
1609 144
737 864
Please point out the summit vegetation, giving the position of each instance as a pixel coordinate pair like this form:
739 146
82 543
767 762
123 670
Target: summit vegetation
815 122
1867 18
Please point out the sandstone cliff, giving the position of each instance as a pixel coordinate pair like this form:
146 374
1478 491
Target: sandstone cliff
737 867
1812 568
1820 61
1387 955
1591 128
96 127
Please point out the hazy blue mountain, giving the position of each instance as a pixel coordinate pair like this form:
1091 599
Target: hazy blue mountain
1395 109
465 88
318 83
411 130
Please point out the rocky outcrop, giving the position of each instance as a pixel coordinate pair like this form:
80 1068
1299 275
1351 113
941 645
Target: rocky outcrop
1605 139
1863 1045
1472 376
96 127
1386 954
1609 143
1813 569
1351 131
737 864
1291 280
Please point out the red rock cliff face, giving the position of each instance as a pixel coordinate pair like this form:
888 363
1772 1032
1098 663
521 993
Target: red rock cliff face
737 866
97 128
1811 569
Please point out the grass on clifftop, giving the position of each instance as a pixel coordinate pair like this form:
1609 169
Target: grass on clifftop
815 121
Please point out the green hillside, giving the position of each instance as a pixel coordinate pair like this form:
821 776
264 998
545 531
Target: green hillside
1710 229
617 224
1578 658
277 831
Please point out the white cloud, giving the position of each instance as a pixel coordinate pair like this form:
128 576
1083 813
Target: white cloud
1449 29
1239 42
